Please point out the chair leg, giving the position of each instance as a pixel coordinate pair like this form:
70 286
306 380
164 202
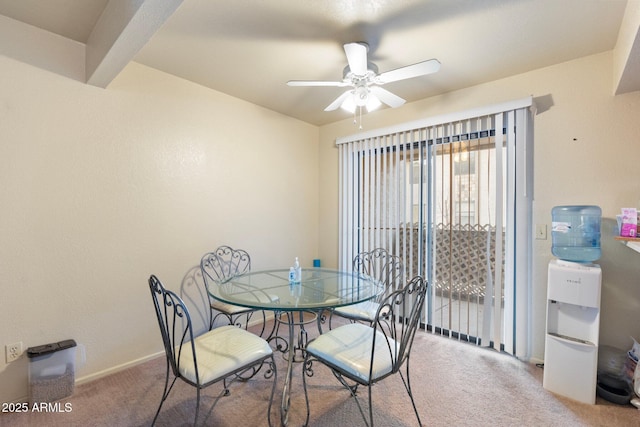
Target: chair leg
264 323
274 328
165 392
330 319
304 386
407 386
321 319
272 368
370 408
353 389
195 421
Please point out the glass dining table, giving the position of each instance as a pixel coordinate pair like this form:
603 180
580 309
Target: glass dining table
293 302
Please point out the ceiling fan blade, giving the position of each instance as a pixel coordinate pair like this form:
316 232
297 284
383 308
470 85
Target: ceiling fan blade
315 83
338 101
357 57
410 71
387 97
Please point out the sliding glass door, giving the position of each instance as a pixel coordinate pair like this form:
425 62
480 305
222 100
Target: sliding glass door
444 197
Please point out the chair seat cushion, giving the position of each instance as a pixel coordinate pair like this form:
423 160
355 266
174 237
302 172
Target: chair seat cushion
237 309
365 310
229 308
349 347
220 352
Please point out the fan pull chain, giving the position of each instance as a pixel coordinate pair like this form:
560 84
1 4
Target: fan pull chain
357 117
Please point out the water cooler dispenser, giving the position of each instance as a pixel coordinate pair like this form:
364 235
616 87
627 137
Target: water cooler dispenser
573 304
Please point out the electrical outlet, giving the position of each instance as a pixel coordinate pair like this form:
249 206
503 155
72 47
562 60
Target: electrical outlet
13 351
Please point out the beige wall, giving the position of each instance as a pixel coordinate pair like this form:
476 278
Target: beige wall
587 147
101 188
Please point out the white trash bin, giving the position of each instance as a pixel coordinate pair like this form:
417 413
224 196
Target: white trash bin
51 371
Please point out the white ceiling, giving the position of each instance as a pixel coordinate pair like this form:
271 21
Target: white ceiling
250 48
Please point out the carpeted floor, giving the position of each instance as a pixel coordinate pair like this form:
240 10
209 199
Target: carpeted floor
455 384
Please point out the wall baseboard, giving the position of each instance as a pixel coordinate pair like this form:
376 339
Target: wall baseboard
96 375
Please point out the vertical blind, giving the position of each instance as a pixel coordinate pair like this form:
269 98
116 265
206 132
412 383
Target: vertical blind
452 196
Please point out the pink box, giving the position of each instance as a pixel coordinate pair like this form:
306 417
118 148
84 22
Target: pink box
629 227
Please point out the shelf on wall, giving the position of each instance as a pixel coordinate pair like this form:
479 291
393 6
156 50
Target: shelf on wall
631 242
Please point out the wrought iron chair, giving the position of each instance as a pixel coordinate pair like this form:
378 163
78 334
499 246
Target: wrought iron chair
219 266
381 265
219 355
366 355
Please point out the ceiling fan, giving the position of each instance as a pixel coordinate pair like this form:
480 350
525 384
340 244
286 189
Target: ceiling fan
363 78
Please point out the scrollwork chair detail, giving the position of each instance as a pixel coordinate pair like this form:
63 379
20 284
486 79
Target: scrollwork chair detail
366 355
222 354
194 294
217 267
381 265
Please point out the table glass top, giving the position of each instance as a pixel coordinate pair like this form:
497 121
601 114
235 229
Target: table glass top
319 288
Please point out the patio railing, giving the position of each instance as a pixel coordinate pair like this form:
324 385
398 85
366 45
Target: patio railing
465 258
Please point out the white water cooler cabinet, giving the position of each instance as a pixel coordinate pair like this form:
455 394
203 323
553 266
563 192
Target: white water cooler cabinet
572 331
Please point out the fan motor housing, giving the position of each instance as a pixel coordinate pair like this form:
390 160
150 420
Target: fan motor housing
371 69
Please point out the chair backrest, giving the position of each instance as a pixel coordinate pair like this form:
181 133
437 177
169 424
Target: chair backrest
225 263
175 324
381 265
398 318
194 294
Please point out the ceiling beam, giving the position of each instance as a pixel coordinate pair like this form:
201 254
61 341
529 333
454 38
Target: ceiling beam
626 54
122 30
41 48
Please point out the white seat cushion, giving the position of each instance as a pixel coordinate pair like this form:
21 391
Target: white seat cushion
220 352
348 347
237 309
228 308
365 310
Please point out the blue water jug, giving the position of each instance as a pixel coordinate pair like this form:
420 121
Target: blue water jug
575 233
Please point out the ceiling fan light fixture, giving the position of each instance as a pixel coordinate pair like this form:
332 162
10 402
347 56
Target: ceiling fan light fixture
349 104
373 103
361 97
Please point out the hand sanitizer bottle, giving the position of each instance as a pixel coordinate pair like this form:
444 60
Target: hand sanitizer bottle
298 271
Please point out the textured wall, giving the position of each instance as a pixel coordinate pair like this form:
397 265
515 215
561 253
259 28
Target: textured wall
102 187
